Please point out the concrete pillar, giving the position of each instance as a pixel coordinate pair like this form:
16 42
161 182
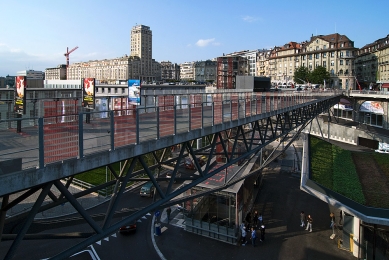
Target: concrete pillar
304 160
199 143
358 234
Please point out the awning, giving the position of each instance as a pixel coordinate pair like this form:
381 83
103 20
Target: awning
385 85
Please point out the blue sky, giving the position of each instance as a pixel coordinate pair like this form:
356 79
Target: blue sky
35 34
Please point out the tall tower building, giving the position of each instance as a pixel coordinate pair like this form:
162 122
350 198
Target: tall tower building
141 46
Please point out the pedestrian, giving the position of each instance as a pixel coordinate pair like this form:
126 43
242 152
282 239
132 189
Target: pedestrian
255 219
309 223
244 234
260 219
302 219
332 217
262 233
253 236
242 226
168 211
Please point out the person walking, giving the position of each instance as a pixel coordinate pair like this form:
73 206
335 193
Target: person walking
253 236
332 217
244 234
255 219
262 233
309 223
168 211
302 219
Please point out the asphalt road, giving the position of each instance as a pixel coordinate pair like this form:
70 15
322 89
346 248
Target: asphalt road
115 246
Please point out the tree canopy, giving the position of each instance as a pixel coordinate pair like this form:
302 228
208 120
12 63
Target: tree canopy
317 76
301 75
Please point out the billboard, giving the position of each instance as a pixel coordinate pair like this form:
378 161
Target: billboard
20 95
344 104
134 91
372 107
88 93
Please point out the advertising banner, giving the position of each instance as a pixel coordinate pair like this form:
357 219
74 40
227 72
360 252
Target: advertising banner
134 91
372 107
88 93
344 104
102 107
20 95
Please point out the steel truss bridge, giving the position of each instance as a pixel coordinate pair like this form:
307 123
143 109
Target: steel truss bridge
51 151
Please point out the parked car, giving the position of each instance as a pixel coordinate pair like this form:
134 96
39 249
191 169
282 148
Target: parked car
147 190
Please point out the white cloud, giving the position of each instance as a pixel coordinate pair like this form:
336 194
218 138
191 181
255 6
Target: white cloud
206 42
250 19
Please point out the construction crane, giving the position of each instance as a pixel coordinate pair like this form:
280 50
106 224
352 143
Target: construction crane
67 54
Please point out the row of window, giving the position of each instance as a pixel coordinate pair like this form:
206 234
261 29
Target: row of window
364 117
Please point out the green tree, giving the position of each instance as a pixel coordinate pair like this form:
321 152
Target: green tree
319 74
301 75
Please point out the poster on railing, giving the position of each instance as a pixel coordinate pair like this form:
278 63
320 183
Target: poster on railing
88 93
20 94
134 91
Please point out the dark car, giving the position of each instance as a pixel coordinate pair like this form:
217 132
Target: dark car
128 229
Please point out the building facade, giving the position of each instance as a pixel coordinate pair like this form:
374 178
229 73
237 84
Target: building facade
2 82
228 67
262 63
334 52
205 71
251 57
142 47
170 71
372 64
187 71
56 73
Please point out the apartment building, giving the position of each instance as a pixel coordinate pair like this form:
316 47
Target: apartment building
228 67
372 64
106 71
334 52
262 63
251 57
205 71
58 72
170 71
187 71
